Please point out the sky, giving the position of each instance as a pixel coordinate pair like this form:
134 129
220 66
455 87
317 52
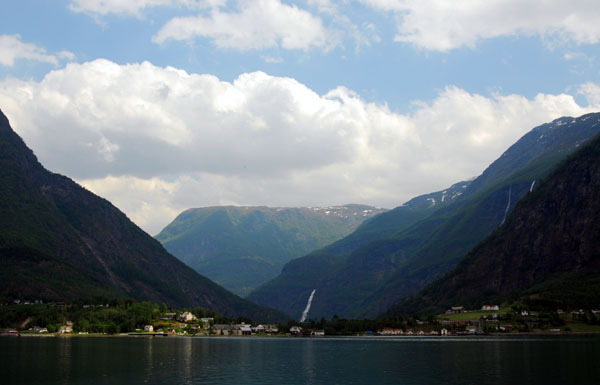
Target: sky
164 105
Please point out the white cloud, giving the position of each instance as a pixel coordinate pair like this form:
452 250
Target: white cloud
259 24
156 140
12 49
442 25
591 92
134 7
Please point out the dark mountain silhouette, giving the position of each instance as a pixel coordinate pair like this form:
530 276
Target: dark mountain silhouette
60 242
547 252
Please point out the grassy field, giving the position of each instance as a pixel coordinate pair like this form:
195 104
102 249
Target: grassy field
582 328
473 315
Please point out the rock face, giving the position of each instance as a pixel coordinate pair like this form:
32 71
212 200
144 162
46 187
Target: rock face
362 276
547 251
241 248
59 241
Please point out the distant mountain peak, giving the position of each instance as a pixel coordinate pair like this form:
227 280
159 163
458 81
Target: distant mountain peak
241 247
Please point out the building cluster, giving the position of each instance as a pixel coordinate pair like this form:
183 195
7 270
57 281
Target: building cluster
411 332
298 331
243 329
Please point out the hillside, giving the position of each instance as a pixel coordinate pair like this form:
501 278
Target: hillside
547 252
241 248
59 242
366 280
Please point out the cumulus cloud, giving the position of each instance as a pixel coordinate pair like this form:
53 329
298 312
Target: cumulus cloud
442 26
259 24
12 49
170 140
135 7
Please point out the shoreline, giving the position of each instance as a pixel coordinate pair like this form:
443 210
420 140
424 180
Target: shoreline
364 336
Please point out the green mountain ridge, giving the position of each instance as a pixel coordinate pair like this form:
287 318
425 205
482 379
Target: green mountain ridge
547 253
243 247
60 242
365 280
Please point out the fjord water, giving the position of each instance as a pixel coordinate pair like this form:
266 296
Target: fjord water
172 360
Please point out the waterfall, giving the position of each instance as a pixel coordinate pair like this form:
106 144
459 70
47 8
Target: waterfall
507 206
305 312
532 184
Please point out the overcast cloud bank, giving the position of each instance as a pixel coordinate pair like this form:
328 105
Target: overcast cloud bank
171 140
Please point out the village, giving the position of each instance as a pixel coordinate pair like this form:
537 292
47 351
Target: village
147 319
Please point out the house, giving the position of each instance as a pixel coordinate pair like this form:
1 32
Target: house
243 329
296 330
433 333
39 329
409 333
271 329
390 332
258 329
222 329
420 333
444 332
148 328
66 328
318 333
167 316
186 316
490 308
471 329
456 310
207 320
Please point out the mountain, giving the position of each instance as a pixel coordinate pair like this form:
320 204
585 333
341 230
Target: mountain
391 222
60 242
365 279
547 252
241 248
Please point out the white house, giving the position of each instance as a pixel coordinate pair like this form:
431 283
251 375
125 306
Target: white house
66 328
490 308
149 328
187 317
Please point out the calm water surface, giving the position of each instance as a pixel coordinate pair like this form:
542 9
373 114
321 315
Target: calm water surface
172 360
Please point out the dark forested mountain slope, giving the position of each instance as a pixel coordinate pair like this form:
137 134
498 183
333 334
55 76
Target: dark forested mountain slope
59 241
547 250
363 281
243 247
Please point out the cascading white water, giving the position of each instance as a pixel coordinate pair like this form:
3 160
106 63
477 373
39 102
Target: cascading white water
507 205
305 312
532 184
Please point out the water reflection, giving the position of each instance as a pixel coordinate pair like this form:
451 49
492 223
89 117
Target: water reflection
297 361
64 358
149 359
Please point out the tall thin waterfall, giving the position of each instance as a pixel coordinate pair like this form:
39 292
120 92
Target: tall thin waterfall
507 205
305 312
